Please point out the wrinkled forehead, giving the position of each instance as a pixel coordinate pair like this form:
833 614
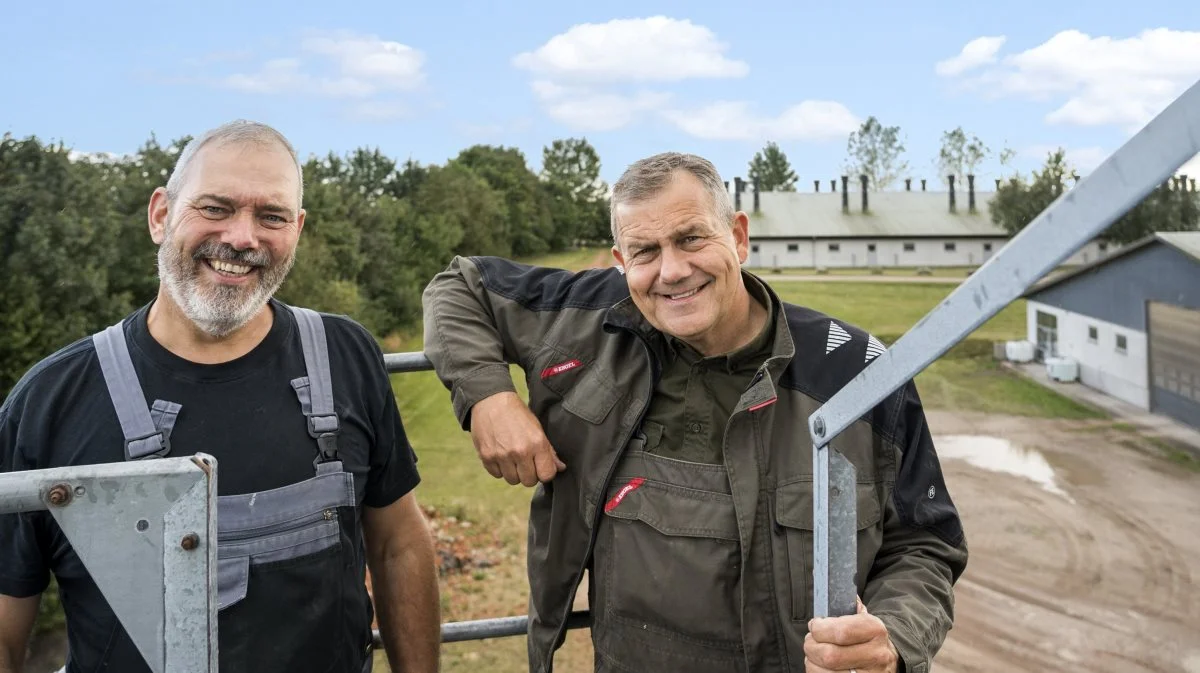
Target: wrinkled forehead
665 217
247 173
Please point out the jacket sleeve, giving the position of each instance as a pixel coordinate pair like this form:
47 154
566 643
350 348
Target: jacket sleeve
924 551
482 314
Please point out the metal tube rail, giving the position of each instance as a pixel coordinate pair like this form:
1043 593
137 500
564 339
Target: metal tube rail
496 627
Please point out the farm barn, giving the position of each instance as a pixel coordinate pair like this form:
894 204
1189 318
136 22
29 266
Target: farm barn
857 227
1132 323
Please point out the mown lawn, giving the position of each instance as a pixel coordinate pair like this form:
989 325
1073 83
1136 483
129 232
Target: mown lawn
455 483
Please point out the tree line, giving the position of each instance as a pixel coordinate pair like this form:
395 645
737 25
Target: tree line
76 254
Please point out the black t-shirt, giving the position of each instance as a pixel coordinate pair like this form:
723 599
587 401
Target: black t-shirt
244 412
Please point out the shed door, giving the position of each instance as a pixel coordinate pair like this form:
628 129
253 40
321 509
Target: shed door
1174 337
1047 336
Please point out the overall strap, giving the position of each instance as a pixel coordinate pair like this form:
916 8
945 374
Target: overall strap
147 431
316 389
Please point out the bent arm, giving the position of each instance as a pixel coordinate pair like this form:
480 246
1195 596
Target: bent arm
924 551
404 584
483 313
17 616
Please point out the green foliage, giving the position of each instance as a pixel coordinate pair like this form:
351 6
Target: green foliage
960 155
76 253
1170 207
874 151
771 168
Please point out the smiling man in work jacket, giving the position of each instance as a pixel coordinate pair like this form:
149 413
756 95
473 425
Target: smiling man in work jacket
666 430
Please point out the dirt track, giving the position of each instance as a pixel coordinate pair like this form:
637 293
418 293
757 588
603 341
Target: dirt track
1098 570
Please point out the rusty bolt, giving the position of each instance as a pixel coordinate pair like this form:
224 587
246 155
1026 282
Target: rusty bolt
59 495
190 541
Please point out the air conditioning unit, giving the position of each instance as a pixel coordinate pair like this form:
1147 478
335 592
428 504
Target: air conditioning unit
1019 351
1062 369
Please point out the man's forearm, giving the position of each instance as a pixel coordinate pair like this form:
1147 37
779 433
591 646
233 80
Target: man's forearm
404 584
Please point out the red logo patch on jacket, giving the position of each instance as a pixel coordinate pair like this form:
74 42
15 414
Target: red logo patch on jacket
560 368
625 490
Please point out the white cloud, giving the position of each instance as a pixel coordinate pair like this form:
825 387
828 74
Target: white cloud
593 77
587 109
284 75
978 52
340 65
385 63
654 49
736 120
1099 81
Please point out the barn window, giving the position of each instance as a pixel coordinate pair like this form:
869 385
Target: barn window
793 247
834 247
870 247
909 247
754 248
1120 343
1093 334
950 247
987 247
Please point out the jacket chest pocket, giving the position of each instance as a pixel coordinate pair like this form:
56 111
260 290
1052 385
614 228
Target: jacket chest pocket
672 562
794 540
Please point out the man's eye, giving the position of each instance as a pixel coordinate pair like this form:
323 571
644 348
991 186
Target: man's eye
212 210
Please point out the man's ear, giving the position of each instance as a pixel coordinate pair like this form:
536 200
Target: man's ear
158 214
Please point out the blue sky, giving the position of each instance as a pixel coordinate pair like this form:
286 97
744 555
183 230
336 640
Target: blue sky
425 80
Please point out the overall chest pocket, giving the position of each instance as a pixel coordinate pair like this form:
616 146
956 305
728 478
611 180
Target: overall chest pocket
672 561
285 568
794 538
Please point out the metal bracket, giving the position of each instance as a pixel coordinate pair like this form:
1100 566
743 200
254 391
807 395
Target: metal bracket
1146 161
146 532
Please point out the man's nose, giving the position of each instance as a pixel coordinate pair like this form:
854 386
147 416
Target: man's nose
241 231
675 266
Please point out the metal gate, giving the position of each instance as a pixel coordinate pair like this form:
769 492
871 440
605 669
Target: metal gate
1174 361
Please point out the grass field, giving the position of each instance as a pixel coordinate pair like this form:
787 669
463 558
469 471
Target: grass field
455 484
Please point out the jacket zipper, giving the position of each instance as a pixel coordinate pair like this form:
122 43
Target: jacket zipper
327 514
612 468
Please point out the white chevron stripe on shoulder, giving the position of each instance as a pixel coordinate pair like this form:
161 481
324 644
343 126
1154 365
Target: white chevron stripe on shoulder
874 348
837 337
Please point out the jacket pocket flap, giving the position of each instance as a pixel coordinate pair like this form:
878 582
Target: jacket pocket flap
233 577
674 510
591 397
794 505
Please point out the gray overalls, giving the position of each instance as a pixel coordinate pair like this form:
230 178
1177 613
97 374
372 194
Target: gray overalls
290 592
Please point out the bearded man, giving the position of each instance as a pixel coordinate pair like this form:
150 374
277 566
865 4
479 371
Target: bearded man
316 474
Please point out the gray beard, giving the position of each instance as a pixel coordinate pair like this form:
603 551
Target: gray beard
219 310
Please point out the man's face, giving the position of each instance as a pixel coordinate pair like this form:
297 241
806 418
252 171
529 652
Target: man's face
683 264
229 240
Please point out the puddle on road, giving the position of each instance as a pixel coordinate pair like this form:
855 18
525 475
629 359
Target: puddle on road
1000 455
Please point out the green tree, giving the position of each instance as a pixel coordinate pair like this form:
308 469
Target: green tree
58 241
960 155
1019 201
771 168
874 150
576 196
527 226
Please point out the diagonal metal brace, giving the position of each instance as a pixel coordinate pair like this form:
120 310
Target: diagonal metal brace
146 532
1146 161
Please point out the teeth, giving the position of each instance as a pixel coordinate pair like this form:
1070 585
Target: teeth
685 295
229 268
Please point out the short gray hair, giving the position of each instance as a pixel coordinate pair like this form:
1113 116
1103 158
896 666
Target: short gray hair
647 177
237 131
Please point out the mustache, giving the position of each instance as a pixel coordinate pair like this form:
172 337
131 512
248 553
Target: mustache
227 253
